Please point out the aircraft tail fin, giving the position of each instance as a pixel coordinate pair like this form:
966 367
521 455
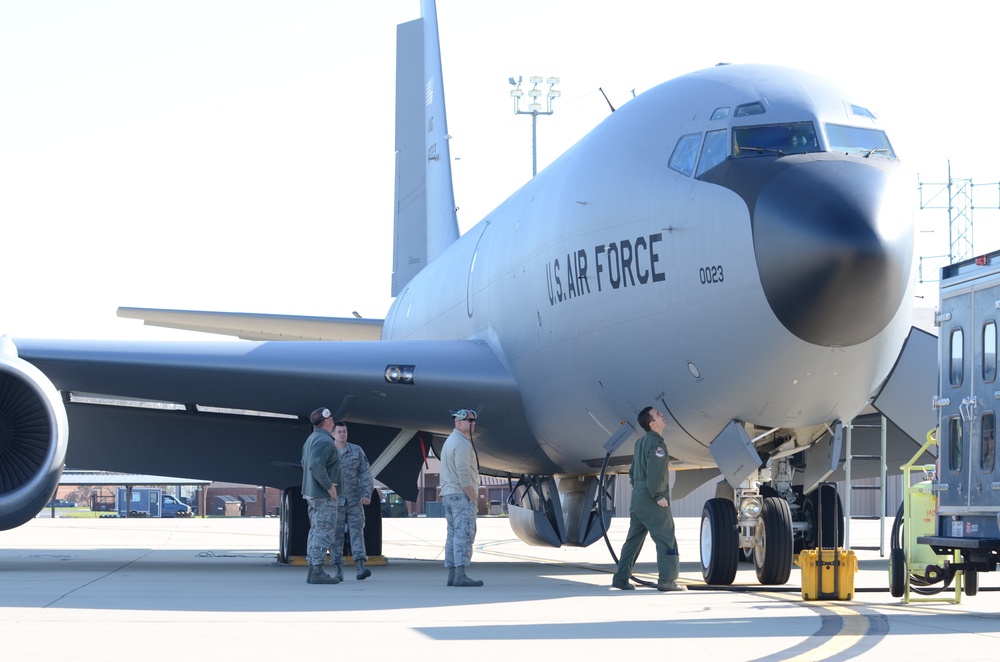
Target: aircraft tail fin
425 219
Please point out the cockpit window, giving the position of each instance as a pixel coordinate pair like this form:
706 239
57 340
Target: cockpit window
862 111
721 113
774 139
713 152
685 153
857 140
755 108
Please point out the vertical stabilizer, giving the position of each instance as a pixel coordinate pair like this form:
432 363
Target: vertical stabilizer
425 220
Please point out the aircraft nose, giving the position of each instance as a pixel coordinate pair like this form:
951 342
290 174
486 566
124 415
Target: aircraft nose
834 246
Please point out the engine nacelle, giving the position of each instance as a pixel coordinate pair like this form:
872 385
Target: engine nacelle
34 432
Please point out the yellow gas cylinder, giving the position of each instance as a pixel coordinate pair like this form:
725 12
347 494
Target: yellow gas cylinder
922 514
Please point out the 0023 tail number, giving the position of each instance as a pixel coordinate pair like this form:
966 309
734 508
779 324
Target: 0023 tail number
712 274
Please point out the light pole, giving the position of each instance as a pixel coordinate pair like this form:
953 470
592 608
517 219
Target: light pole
534 108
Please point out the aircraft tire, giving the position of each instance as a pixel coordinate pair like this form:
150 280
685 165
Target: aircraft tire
833 519
897 573
284 528
772 554
719 551
293 528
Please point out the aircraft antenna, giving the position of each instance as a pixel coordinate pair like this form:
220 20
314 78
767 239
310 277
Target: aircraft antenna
601 90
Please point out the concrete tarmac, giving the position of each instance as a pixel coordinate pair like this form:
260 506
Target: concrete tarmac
210 589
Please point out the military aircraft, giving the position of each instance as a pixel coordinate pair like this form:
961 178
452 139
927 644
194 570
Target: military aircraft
734 246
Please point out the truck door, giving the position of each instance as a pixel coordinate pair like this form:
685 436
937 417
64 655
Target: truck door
954 431
968 354
154 503
981 409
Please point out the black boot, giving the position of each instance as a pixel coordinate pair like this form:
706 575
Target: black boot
461 579
451 576
363 572
318 576
339 574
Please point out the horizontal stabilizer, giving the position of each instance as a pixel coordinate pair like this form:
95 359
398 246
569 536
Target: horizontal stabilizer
252 326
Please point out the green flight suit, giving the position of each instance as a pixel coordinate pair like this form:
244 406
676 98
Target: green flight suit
650 482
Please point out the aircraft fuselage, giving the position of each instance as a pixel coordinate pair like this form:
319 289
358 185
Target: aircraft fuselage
770 287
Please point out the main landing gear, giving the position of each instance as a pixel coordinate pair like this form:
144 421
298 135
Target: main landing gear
770 543
762 521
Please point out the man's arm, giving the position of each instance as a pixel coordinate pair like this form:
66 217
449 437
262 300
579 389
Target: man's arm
469 477
366 479
317 467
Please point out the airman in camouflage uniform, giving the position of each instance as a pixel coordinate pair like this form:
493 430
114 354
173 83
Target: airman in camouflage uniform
356 494
459 484
321 479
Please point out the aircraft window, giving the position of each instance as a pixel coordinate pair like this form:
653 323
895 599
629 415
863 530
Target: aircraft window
721 113
990 352
955 374
779 139
713 152
955 443
857 140
988 460
747 109
685 153
863 112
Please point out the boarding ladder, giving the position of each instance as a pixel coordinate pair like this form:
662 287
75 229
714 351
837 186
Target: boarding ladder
849 459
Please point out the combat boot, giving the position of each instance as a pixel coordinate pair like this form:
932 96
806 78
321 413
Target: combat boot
461 579
318 576
339 574
451 576
363 572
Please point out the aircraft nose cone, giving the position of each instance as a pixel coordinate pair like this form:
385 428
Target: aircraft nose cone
834 247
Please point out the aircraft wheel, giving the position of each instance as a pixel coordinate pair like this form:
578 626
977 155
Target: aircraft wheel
284 528
971 582
772 551
897 573
719 551
293 527
833 519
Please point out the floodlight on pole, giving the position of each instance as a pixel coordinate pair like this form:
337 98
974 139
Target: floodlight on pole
535 107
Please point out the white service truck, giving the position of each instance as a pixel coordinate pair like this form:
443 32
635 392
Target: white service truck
967 480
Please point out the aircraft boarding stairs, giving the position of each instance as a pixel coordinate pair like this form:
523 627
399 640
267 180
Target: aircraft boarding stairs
849 469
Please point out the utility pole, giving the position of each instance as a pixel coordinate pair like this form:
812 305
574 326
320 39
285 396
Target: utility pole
534 108
957 196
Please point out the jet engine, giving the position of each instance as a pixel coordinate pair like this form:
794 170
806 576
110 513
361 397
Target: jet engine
34 433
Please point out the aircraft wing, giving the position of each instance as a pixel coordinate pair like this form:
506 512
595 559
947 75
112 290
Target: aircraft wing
202 403
252 326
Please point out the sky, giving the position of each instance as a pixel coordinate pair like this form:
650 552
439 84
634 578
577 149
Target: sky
237 155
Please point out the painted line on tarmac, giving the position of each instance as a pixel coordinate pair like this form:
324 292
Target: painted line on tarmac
850 630
843 629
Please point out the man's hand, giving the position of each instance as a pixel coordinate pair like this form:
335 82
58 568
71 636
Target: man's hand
662 502
332 491
365 502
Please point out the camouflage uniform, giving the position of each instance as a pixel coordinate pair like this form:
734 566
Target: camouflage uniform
459 469
461 515
320 470
358 484
322 520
